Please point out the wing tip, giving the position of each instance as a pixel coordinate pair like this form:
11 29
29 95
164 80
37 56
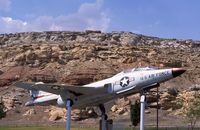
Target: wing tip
24 85
18 84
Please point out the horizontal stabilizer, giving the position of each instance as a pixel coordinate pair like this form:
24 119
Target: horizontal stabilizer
62 89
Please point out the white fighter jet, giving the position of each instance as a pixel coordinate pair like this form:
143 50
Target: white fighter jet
122 84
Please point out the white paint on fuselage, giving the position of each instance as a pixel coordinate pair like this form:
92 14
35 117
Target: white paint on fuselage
141 77
140 80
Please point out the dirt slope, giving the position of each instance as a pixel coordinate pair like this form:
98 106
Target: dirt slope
83 57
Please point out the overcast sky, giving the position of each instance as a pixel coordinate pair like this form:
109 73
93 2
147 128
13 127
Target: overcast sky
163 18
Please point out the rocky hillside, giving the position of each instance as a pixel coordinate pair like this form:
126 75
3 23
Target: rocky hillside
94 37
84 57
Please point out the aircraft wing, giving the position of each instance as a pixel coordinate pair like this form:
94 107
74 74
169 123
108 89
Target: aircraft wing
62 89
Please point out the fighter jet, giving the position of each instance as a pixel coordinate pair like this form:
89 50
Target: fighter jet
125 83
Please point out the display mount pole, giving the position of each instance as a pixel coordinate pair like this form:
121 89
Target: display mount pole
68 107
142 107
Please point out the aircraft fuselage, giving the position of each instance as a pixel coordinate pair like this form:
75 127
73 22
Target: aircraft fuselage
124 83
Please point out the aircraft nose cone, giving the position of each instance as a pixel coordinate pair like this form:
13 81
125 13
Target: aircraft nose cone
177 71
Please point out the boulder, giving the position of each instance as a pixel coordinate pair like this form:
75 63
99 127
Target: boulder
8 102
30 57
123 102
154 105
121 111
82 114
114 108
56 114
76 115
30 112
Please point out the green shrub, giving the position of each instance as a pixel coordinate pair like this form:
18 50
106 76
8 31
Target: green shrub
2 108
135 113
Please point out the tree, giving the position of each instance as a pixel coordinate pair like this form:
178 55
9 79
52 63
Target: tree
190 103
135 113
2 108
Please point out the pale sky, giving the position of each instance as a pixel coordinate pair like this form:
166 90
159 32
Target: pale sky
162 18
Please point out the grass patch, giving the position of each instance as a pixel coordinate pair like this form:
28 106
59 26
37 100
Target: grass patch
41 128
63 128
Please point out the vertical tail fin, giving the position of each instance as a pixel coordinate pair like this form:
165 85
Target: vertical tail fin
40 97
35 94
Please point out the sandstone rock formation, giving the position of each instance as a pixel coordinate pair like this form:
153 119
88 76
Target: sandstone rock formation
56 114
29 112
83 114
10 102
82 57
93 36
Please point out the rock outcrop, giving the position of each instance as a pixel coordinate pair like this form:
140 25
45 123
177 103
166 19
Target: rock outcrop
77 114
30 112
93 36
121 106
56 114
83 57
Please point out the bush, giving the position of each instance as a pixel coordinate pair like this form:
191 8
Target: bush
135 113
2 108
190 107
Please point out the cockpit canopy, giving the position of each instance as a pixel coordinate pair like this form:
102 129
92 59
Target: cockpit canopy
139 69
136 69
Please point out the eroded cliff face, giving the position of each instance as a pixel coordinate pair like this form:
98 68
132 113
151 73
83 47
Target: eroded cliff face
67 37
83 57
